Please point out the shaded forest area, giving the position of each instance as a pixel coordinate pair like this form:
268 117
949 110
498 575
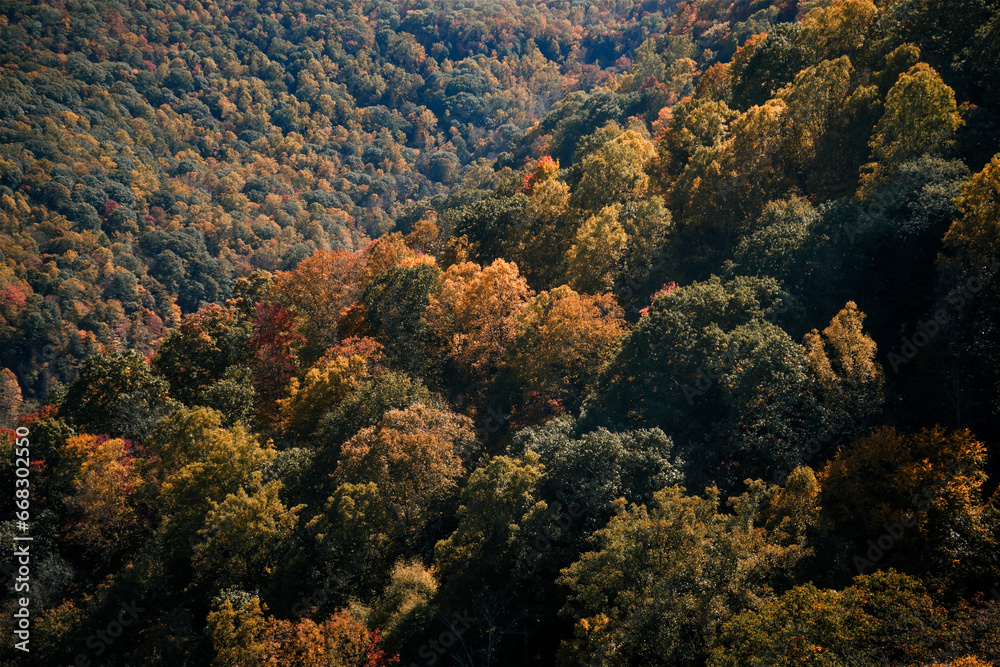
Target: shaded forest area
510 333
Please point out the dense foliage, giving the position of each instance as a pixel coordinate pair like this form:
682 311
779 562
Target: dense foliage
511 332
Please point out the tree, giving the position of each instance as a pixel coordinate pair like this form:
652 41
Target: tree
244 536
330 381
470 314
395 302
356 539
817 95
665 578
975 236
414 456
843 28
235 630
341 640
388 390
116 394
926 488
199 352
586 474
563 340
10 398
885 618
851 383
780 247
695 123
486 223
275 344
970 274
389 252
318 291
110 518
764 64
404 612
540 237
615 172
920 116
694 367
200 463
481 562
726 186
594 259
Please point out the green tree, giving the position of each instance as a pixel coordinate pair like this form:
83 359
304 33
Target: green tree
694 367
198 353
200 463
480 563
586 474
395 302
116 394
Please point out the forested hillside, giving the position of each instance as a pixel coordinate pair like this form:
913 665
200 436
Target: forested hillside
501 333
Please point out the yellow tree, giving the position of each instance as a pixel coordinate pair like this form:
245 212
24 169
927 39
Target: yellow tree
815 96
200 462
413 455
976 234
851 381
389 252
540 237
330 381
235 631
616 172
694 123
470 315
593 260
244 536
563 341
843 27
10 398
920 116
104 498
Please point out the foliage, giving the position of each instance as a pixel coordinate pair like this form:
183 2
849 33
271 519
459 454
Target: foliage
328 322
665 578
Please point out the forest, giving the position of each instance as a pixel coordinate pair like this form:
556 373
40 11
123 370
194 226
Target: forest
372 333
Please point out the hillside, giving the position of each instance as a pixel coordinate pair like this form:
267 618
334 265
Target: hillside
510 332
